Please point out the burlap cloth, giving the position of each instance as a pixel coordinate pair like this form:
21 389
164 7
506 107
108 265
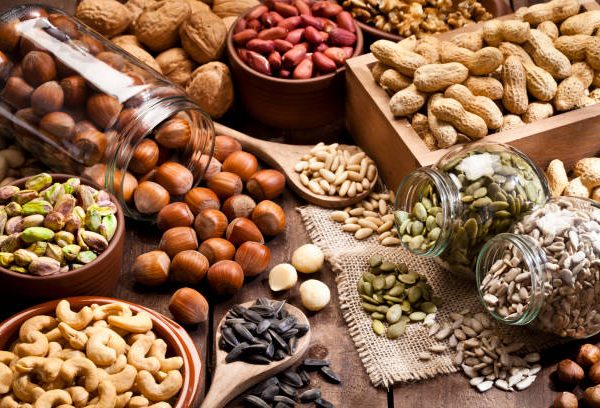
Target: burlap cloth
389 362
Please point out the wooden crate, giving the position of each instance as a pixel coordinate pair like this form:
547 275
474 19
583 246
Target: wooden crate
397 148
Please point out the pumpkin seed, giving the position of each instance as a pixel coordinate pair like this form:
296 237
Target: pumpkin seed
396 330
378 327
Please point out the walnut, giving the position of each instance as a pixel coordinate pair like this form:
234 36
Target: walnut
229 21
126 39
211 88
108 17
142 55
176 65
197 5
203 36
228 8
137 6
157 26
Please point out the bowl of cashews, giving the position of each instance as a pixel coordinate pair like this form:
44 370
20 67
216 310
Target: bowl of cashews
96 352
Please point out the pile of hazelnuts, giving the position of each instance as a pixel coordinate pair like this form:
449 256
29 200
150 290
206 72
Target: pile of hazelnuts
572 373
217 232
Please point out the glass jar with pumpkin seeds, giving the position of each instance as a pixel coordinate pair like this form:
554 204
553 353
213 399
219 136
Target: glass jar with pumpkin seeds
452 208
545 273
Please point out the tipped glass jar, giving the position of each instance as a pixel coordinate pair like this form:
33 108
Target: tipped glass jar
546 273
84 106
450 210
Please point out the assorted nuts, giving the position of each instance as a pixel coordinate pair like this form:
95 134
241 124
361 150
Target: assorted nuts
505 75
101 354
49 228
297 40
336 171
416 18
584 182
394 295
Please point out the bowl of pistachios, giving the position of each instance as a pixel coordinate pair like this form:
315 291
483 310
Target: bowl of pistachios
60 235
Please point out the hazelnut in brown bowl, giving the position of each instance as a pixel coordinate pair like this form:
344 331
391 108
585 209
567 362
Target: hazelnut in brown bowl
288 61
60 236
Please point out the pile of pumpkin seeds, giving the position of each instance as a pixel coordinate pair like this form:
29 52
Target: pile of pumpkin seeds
494 189
395 296
260 334
293 385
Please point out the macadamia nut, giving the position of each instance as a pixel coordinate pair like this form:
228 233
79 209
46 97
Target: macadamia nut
282 277
308 258
315 295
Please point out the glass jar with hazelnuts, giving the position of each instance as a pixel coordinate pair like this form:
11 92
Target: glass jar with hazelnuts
85 106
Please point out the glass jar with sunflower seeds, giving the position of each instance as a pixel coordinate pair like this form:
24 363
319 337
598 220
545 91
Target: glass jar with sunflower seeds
452 208
545 273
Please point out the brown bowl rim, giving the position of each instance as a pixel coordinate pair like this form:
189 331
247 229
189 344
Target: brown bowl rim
179 337
119 233
376 32
231 51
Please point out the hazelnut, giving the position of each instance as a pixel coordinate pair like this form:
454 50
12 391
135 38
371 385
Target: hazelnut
59 124
217 249
239 205
74 90
266 184
17 71
124 185
225 277
174 215
9 35
28 116
38 67
224 146
241 230
176 178
588 355
65 24
5 66
241 163
199 198
178 239
103 110
150 197
151 268
591 396
594 374
569 372
225 184
253 257
112 59
145 156
189 267
213 167
188 306
17 92
48 97
210 223
90 146
127 116
94 46
173 134
565 400
269 218
33 12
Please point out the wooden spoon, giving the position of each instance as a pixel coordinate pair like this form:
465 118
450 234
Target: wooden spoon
283 157
231 379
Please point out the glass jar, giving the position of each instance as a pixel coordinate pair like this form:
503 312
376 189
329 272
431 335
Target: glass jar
476 191
84 106
546 273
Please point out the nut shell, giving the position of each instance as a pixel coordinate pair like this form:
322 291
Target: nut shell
203 36
178 239
211 87
176 65
145 157
174 177
199 198
156 27
225 184
151 268
266 184
17 92
38 67
108 17
103 110
588 355
59 124
242 163
150 197
217 249
591 396
253 257
240 205
48 97
224 146
241 230
188 306
269 218
74 90
225 277
173 134
189 267
174 215
569 372
210 223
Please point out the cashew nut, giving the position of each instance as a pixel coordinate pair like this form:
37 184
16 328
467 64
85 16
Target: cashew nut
132 338
159 392
78 320
54 335
6 357
79 395
6 374
10 402
76 339
47 369
68 354
140 323
111 309
138 402
104 345
107 396
100 323
53 348
123 399
137 355
52 398
25 389
33 341
117 366
159 350
123 380
81 367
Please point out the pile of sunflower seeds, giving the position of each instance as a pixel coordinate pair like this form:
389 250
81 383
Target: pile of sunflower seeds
368 217
292 386
569 238
260 334
485 357
394 295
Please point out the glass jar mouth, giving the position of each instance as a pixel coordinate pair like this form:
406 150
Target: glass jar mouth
534 260
412 190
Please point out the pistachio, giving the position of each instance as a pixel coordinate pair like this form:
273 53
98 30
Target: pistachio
43 266
23 257
39 248
64 238
53 193
94 241
71 185
34 220
3 219
86 195
55 252
14 225
65 204
6 192
18 269
13 208
86 257
108 226
34 234
38 182
72 223
70 252
54 221
11 243
36 206
6 259
24 196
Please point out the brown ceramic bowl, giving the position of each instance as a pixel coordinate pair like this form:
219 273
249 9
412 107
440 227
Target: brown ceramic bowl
174 335
97 278
289 103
